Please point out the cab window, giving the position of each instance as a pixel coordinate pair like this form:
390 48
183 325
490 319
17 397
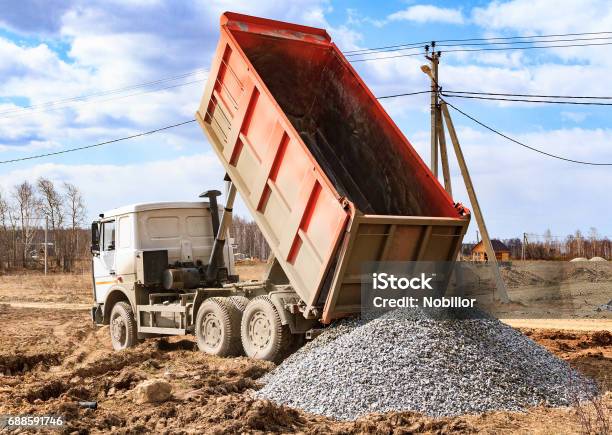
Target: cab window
108 236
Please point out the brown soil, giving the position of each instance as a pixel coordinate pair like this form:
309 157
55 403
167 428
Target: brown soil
547 289
52 359
587 351
251 269
30 287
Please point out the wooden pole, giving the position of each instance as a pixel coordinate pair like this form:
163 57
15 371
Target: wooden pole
434 109
502 294
46 241
444 154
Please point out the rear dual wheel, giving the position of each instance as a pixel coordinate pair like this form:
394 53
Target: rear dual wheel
236 325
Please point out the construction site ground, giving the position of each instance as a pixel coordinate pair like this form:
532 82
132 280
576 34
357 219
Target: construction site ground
51 357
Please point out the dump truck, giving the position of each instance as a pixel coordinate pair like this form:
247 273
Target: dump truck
330 180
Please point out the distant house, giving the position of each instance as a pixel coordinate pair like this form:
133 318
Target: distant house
502 253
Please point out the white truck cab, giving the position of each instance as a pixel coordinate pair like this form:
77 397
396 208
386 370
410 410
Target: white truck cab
183 229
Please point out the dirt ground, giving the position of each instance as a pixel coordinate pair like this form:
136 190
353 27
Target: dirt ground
545 289
50 359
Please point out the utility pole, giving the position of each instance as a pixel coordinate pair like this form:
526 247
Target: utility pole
440 112
486 240
434 113
438 139
523 245
444 154
46 240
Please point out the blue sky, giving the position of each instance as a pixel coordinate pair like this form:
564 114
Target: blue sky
66 48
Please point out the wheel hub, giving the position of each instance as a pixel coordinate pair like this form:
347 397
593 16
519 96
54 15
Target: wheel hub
118 330
211 330
260 330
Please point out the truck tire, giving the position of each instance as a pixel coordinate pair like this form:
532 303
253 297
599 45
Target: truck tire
239 302
263 335
123 330
217 327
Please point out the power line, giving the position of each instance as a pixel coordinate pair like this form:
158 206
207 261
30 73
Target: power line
438 44
464 50
527 48
415 45
529 95
501 38
522 144
523 100
403 95
106 92
69 150
388 57
524 42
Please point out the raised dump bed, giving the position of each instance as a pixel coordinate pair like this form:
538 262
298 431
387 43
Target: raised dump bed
329 178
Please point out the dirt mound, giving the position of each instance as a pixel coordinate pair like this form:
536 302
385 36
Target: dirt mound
20 363
602 338
518 278
45 391
588 274
115 361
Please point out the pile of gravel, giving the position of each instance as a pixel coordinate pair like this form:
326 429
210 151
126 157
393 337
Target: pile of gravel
406 360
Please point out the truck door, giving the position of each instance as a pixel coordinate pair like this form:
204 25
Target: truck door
104 263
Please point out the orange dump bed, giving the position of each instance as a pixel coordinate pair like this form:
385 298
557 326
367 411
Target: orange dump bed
328 177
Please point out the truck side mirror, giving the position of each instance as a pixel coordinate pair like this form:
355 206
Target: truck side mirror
95 238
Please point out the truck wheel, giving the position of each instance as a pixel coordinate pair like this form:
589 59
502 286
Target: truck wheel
217 327
263 335
239 302
123 329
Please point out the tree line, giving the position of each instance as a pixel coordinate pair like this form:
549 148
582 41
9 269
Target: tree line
26 209
250 243
549 247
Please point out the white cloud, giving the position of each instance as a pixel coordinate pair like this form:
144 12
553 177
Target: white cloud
541 17
108 46
545 16
574 116
428 14
35 145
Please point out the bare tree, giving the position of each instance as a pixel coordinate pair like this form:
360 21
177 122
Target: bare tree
75 212
28 207
249 239
5 249
51 203
75 206
52 207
